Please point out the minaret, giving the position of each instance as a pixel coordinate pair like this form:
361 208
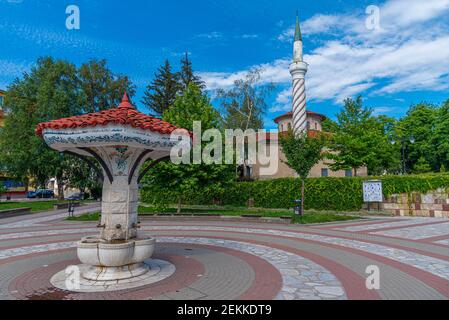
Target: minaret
298 70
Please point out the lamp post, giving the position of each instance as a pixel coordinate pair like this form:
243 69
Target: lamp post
403 141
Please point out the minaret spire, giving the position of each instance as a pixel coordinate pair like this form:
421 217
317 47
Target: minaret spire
298 35
297 44
298 70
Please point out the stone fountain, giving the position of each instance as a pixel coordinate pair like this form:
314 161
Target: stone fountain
121 140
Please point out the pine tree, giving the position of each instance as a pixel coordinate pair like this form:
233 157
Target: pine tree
187 76
161 93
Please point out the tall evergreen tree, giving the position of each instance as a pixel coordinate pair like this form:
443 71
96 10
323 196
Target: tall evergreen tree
162 92
187 76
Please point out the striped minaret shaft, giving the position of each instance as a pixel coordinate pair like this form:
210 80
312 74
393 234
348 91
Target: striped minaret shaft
299 106
298 70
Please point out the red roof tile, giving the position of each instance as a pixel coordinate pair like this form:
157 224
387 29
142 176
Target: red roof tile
125 114
290 114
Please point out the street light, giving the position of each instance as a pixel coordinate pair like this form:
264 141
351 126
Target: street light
403 141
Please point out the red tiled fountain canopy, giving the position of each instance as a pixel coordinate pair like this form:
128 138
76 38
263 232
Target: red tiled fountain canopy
124 114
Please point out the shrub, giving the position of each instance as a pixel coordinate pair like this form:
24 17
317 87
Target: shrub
341 194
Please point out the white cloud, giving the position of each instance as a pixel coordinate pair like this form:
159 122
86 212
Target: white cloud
410 52
250 36
211 35
383 110
407 12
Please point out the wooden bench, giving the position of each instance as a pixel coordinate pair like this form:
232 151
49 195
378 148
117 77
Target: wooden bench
65 205
8 213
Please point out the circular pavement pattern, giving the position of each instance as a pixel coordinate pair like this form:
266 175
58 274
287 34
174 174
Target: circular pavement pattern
241 260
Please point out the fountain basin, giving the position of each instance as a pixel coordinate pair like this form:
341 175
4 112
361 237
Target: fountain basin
114 261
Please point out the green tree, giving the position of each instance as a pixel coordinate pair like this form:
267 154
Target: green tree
187 76
302 153
420 124
387 158
162 92
101 88
189 180
439 140
359 140
50 91
245 103
2 190
422 166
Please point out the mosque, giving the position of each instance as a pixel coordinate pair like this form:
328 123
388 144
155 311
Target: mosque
300 120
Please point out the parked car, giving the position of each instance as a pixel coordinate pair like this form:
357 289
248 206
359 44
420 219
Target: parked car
41 194
76 196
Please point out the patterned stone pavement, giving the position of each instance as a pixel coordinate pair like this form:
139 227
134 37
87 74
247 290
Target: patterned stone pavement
418 232
242 260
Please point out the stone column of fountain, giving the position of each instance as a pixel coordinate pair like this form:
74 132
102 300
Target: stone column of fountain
117 253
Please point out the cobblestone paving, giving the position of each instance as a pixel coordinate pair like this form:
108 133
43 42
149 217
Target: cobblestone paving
303 279
400 222
418 232
432 265
312 274
444 242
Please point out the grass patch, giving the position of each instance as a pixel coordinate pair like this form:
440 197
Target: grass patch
35 206
309 218
219 210
86 217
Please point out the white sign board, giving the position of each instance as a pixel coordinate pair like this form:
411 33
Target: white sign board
372 191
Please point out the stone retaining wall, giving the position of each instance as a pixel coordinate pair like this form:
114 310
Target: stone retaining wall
432 204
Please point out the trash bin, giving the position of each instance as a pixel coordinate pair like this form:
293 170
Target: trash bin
298 208
71 209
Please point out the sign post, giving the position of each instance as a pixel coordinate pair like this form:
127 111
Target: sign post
372 193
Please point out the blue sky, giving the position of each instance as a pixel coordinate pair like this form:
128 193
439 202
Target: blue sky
405 60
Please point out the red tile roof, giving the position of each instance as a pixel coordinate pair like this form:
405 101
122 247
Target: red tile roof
275 136
290 114
125 114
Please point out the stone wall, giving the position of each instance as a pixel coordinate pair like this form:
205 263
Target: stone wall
432 204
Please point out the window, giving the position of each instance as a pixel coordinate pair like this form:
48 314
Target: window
1 102
308 125
289 126
348 173
325 172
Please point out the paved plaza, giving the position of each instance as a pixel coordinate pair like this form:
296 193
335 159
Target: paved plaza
241 260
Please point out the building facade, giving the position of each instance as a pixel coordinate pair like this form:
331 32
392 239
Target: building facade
301 121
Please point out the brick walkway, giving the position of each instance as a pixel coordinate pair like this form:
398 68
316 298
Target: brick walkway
242 260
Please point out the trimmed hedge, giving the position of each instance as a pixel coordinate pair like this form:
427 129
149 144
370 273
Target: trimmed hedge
341 194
